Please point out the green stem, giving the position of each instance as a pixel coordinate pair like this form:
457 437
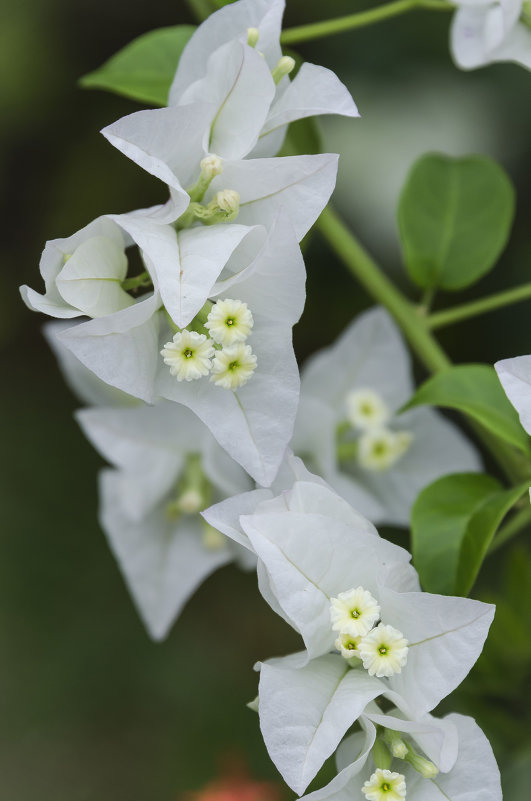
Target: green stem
142 280
412 323
316 30
467 310
516 524
365 269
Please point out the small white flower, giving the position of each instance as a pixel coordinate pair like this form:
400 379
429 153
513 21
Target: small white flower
190 502
385 785
383 651
366 409
211 166
347 645
233 366
229 321
354 612
380 449
189 355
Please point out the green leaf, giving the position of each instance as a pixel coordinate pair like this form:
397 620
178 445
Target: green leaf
439 519
144 69
453 522
454 217
475 390
479 532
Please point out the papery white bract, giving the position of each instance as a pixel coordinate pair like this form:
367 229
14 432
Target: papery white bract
380 466
485 32
168 468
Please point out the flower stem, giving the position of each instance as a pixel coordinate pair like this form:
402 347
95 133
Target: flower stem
519 521
467 310
317 30
412 323
142 280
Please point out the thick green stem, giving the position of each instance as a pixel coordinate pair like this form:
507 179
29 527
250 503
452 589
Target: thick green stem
517 523
467 310
365 269
317 30
413 324
142 280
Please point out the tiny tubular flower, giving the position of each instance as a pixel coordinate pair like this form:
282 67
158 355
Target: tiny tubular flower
354 612
366 409
380 449
190 502
229 321
227 201
385 785
347 645
189 355
233 366
383 651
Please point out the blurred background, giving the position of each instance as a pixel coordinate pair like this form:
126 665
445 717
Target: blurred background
90 708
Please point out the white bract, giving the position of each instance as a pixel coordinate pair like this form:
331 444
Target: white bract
348 429
460 764
515 378
485 32
168 468
83 273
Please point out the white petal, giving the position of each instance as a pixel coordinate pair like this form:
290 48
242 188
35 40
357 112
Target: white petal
300 185
230 22
83 383
315 90
446 636
239 86
305 712
121 349
515 378
225 515
162 563
166 142
91 278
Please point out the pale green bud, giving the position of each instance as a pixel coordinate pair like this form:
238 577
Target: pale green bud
253 35
421 764
283 67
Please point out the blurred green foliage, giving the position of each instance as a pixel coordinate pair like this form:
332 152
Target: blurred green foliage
91 709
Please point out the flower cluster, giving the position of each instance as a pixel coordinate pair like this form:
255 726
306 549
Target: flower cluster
376 457
381 639
191 355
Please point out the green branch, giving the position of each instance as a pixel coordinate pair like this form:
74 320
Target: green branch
413 324
317 30
467 310
518 522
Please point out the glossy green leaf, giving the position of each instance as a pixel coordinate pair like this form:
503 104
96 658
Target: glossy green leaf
454 217
439 520
475 390
479 532
453 522
144 69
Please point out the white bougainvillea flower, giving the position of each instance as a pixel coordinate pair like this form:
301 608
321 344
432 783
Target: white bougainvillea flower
354 612
83 273
167 468
466 766
445 635
379 469
254 422
233 366
212 67
486 32
229 321
188 355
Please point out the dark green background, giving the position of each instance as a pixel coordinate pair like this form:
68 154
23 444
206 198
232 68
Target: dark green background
90 709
